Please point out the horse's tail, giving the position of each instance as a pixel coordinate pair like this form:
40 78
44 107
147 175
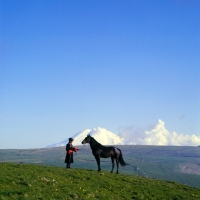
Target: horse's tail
121 160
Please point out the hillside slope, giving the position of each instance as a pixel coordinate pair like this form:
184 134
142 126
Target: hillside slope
27 181
179 164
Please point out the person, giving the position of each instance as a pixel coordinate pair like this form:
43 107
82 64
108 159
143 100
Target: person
69 153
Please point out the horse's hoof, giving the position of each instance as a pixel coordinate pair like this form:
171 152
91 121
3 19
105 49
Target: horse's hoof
117 172
111 172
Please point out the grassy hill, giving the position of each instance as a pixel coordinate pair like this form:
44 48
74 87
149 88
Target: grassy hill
179 164
29 181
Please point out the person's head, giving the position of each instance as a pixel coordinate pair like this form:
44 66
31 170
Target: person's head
71 140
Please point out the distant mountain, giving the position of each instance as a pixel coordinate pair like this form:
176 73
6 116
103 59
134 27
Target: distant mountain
102 135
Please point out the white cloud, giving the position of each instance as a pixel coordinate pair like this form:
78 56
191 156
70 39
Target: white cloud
132 135
154 135
158 135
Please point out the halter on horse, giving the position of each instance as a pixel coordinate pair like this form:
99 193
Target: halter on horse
100 151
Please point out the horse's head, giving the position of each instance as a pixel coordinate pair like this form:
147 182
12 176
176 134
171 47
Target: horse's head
86 140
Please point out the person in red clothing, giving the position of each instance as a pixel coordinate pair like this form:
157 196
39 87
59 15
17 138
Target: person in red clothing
69 153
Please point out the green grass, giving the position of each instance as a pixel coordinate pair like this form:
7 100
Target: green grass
159 162
30 181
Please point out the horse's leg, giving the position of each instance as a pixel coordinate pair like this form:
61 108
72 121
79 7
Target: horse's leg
98 162
117 162
113 164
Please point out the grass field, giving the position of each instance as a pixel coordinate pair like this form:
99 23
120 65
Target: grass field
179 164
31 181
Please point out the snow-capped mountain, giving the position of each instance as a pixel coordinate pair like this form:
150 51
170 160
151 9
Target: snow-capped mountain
102 135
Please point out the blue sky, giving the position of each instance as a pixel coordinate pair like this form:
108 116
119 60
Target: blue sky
68 65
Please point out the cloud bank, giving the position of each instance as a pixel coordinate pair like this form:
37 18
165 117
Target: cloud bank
158 135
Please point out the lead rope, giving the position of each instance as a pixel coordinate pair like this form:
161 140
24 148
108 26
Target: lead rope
79 150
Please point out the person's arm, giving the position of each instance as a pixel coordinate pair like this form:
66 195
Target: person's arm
66 147
75 149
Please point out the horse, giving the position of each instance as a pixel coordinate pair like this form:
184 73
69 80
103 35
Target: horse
100 151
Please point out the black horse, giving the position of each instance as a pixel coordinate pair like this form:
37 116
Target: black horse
100 151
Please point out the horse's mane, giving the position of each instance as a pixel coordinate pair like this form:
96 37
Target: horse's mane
93 142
